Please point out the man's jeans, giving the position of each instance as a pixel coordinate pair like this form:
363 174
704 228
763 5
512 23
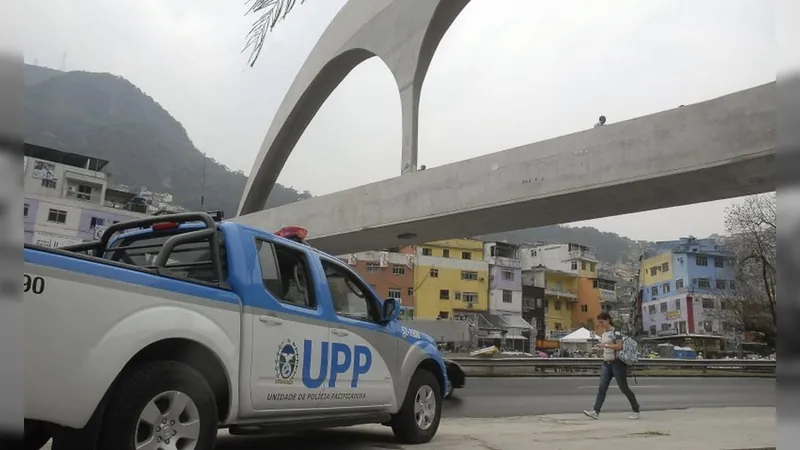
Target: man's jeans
619 371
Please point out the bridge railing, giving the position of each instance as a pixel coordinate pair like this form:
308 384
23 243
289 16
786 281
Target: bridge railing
511 367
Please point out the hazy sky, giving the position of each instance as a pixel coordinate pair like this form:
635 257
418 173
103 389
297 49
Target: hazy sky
502 77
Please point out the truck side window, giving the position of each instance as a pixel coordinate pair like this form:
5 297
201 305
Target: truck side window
284 272
349 298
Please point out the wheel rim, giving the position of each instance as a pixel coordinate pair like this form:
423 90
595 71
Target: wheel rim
170 421
424 407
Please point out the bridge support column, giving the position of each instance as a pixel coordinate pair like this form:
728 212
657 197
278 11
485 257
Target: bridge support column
409 101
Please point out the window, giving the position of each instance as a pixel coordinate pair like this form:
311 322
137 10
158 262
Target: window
651 309
50 184
533 252
665 327
678 305
719 262
592 267
595 284
25 211
701 260
470 297
508 275
558 305
444 314
584 308
444 294
457 295
665 267
507 296
57 216
445 253
583 265
558 325
373 267
410 292
663 307
284 272
538 303
708 326
395 293
722 284
468 275
679 284
708 303
574 265
654 290
732 284
653 271
665 288
349 299
398 270
426 251
84 192
96 222
434 273
652 329
466 255
703 283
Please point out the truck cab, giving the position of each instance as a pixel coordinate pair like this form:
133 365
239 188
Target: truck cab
186 317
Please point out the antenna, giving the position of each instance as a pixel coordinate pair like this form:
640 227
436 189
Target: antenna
63 66
203 185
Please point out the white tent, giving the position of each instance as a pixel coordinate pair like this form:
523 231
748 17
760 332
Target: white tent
579 336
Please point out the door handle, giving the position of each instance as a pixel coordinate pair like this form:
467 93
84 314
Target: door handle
340 332
269 320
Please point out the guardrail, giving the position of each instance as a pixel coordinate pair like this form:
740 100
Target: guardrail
515 367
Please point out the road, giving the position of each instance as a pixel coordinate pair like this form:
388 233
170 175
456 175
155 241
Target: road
508 397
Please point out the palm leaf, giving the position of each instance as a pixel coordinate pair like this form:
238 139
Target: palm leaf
270 13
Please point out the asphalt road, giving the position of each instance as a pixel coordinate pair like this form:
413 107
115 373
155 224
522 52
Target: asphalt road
508 397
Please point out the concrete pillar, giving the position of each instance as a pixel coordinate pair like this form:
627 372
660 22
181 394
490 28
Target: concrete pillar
409 102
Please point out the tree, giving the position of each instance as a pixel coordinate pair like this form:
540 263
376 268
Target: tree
270 13
750 305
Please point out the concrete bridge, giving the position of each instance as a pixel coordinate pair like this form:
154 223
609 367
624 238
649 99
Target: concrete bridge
712 150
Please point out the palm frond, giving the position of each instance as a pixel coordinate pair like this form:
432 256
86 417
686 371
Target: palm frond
270 13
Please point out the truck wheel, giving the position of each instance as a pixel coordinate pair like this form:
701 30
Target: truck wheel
418 418
160 405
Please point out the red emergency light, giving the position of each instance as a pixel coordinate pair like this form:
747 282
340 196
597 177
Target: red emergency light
294 233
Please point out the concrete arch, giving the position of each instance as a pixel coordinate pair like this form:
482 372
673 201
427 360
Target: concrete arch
403 33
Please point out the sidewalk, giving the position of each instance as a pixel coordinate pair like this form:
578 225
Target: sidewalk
701 429
691 429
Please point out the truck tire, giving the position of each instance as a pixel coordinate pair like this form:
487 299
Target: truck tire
160 401
419 417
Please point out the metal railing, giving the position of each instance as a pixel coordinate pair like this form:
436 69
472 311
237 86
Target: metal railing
499 366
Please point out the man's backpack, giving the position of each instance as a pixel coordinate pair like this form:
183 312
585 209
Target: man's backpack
630 351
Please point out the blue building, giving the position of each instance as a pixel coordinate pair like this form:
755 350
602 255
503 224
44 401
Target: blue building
681 282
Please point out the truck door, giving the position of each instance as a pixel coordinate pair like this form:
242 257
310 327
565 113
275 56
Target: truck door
362 350
285 326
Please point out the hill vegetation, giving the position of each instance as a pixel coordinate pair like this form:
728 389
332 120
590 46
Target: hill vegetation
105 116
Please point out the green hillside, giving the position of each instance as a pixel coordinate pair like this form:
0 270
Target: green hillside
105 116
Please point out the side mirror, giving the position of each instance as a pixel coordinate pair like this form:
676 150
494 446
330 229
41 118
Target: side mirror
391 310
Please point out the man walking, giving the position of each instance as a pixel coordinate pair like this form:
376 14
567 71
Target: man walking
611 343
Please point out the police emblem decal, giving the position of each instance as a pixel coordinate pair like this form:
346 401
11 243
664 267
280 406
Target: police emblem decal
287 360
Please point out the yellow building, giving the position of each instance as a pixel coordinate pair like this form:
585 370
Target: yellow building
656 269
560 297
450 276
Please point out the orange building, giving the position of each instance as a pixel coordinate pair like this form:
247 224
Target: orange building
389 274
593 293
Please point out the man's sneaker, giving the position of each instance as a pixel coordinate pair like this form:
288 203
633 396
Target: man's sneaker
591 414
635 416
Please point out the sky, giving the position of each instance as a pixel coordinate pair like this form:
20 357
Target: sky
502 77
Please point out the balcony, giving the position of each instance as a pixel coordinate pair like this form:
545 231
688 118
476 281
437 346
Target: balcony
560 293
502 261
587 255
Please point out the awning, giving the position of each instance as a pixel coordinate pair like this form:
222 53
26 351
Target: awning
514 321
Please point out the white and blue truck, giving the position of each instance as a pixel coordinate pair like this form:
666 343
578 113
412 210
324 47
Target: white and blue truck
169 328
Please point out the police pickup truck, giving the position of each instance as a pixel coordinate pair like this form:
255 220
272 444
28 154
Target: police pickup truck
168 328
